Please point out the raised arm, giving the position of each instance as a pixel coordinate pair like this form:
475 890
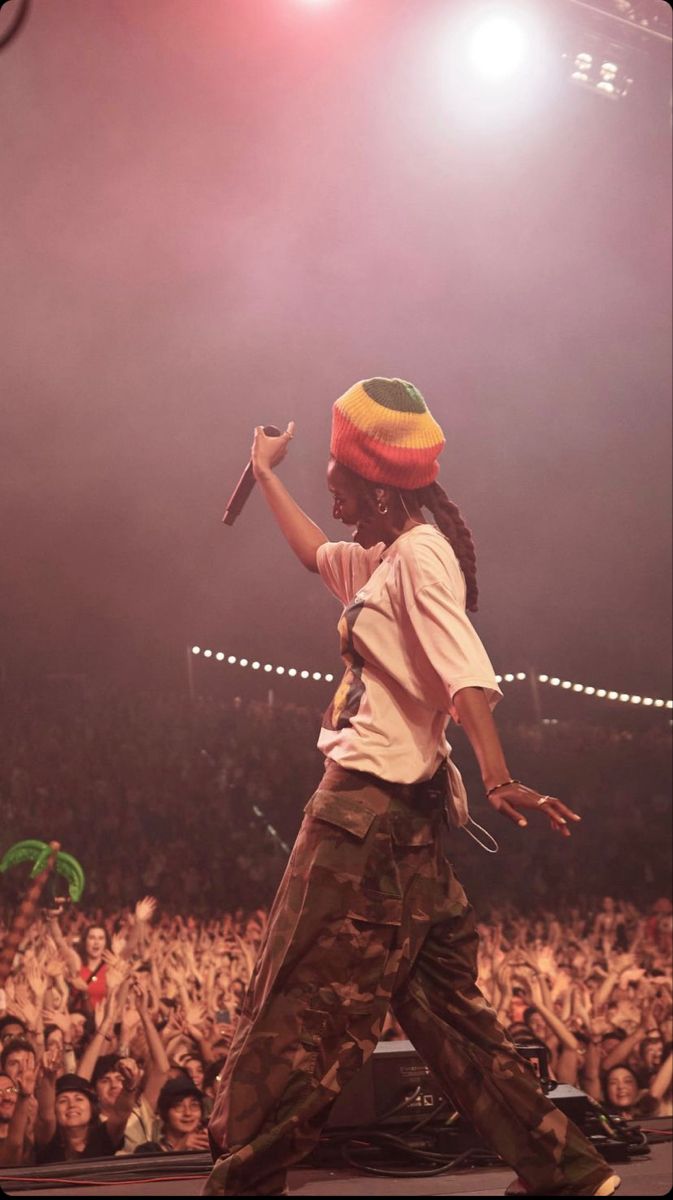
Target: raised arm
301 533
69 956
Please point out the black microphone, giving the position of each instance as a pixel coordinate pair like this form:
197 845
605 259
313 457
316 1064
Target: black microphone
244 486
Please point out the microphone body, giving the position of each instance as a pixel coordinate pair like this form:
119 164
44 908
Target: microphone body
244 486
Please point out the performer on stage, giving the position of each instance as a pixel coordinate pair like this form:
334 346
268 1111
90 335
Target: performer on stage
369 913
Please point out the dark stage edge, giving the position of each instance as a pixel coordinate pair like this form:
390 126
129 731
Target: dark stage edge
652 1176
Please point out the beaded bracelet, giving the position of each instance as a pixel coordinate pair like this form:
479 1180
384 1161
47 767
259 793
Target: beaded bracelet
500 785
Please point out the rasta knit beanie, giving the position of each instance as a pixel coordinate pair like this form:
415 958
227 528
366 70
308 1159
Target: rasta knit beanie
383 430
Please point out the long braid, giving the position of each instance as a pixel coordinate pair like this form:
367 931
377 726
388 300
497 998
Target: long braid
449 520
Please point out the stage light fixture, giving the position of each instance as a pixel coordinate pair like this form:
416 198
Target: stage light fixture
566 684
521 674
196 649
305 674
256 666
583 64
280 670
578 687
497 47
555 681
601 692
543 678
244 662
329 679
292 671
509 678
624 696
207 654
590 691
636 699
613 695
268 667
231 660
317 675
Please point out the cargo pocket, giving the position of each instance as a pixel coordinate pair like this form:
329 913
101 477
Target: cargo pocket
369 875
343 812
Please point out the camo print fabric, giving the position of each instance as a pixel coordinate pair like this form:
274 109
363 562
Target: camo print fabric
369 913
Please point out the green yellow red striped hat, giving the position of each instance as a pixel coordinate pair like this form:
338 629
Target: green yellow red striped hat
384 431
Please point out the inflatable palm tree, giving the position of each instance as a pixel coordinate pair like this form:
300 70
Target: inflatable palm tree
45 858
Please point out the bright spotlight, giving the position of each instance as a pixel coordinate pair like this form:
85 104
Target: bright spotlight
601 692
292 671
268 667
244 662
521 674
280 670
566 684
555 681
578 687
231 660
509 678
497 47
543 678
329 678
196 649
219 656
317 675
613 695
256 666
590 691
305 674
207 654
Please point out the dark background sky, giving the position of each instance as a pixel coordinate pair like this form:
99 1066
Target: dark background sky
217 213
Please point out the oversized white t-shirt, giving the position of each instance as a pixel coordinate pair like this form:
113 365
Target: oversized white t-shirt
408 646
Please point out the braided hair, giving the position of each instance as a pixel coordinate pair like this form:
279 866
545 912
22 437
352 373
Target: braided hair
449 521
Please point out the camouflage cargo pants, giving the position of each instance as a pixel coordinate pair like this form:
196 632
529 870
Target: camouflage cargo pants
369 914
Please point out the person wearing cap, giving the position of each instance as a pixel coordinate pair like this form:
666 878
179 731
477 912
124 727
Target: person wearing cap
76 1130
369 913
180 1109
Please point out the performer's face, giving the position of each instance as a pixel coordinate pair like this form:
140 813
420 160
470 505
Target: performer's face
350 506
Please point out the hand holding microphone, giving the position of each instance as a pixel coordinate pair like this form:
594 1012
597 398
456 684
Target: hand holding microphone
269 447
267 451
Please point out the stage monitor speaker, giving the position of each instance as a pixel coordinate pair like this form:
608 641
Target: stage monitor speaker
395 1088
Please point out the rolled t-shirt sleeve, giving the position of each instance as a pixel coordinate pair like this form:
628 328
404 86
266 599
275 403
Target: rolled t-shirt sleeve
345 567
450 643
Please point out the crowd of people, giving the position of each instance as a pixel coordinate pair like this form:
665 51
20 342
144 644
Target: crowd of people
117 1015
114 1030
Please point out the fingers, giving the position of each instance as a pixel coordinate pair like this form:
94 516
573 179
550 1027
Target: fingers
507 811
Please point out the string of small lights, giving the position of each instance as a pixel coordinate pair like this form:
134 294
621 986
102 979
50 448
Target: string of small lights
511 677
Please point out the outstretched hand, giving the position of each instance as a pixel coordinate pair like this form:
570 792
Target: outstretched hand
514 799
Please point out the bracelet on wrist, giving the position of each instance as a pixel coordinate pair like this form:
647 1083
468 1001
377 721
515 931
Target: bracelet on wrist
496 786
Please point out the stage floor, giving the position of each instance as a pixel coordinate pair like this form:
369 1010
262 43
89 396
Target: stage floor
651 1176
